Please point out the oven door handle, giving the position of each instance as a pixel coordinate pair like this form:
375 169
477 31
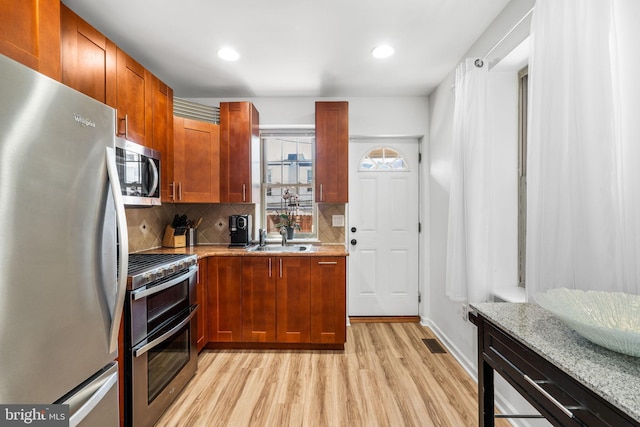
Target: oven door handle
159 288
142 349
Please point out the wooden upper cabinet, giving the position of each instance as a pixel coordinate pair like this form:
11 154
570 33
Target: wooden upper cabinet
134 120
196 161
162 107
88 58
332 152
30 34
328 300
239 135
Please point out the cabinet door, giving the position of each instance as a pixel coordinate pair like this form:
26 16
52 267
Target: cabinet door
328 300
239 132
134 100
224 299
293 299
201 291
88 58
30 34
162 108
332 152
196 159
258 299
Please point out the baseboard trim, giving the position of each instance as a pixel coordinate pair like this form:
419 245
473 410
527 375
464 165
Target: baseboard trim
502 404
384 319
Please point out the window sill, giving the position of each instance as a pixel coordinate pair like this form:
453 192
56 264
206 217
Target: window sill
514 294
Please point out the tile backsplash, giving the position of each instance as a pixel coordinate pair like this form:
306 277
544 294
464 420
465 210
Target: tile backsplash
146 225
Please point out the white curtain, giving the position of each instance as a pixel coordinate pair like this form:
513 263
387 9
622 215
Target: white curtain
583 188
468 255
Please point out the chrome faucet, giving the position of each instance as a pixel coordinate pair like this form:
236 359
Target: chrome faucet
283 232
262 237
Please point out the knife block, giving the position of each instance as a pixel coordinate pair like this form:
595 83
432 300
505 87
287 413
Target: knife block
170 240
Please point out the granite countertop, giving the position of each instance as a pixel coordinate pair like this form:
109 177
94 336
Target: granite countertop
613 376
204 251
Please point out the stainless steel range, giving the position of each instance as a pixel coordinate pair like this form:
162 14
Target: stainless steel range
160 333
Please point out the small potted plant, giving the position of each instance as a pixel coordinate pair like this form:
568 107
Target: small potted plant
288 218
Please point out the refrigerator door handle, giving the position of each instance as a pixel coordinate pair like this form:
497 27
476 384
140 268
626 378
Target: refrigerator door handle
87 404
123 253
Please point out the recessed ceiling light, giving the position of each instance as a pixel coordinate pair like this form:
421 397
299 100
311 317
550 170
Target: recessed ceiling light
228 54
382 51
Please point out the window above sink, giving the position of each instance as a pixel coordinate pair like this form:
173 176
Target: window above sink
288 182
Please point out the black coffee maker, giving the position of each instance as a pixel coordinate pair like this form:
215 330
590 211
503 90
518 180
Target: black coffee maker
240 230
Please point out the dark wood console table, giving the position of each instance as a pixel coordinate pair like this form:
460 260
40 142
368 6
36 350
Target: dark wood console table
571 381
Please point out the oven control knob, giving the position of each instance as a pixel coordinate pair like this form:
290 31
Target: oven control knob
181 265
147 277
160 273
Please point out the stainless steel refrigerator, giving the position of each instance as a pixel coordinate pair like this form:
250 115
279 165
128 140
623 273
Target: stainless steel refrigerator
61 213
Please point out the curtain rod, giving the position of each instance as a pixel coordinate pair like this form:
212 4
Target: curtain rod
480 61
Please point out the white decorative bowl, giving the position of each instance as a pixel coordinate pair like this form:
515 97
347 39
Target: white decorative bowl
609 319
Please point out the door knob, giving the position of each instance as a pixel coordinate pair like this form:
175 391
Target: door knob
354 242
353 229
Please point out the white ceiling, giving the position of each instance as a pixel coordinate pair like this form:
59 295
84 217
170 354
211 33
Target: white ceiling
306 48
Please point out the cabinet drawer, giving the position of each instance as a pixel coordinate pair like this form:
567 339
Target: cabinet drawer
561 399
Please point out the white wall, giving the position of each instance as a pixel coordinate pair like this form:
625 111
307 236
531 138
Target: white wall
371 117
389 116
443 315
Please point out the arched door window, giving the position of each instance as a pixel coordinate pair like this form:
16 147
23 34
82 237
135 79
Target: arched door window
383 159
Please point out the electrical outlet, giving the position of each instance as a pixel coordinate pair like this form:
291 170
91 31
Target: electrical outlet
465 312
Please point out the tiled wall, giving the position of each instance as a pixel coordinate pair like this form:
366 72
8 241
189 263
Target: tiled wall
146 225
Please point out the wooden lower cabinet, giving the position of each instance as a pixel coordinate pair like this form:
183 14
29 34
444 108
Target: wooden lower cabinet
276 300
224 299
294 299
258 299
201 291
328 300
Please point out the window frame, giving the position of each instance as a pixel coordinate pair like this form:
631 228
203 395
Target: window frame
265 186
523 99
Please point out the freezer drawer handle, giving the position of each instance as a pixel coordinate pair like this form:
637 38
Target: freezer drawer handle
159 288
140 350
94 400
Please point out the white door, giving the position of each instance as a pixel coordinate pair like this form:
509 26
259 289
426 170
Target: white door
383 227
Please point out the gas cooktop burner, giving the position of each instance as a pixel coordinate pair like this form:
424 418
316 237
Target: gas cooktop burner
147 268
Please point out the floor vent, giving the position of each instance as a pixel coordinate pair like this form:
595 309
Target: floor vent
433 345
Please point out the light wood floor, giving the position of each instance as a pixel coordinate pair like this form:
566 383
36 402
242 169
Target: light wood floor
386 376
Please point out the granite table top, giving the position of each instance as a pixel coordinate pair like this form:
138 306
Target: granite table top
613 376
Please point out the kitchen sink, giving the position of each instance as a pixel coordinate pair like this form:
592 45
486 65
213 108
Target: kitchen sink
281 249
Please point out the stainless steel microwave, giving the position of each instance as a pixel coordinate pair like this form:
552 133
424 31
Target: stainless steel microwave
139 172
